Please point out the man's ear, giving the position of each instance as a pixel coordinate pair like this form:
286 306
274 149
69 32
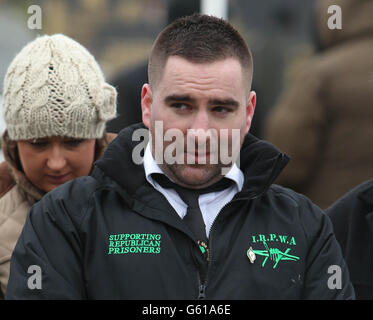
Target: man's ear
146 104
250 108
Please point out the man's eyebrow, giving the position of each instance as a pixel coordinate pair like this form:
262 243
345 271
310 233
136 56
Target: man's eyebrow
224 102
178 98
186 98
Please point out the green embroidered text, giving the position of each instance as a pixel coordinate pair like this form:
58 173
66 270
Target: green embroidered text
125 243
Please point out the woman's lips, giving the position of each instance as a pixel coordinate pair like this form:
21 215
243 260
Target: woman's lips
58 178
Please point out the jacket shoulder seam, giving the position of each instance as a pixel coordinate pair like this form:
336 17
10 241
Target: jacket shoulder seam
296 201
89 200
284 193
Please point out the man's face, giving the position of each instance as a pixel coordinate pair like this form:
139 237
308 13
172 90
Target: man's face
197 99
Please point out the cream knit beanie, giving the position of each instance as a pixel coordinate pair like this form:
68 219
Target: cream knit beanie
54 87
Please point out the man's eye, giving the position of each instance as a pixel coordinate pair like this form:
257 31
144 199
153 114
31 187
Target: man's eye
222 109
180 106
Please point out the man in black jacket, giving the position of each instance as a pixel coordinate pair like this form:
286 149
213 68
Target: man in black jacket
352 218
190 221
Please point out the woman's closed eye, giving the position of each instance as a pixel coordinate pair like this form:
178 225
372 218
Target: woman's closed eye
73 142
38 144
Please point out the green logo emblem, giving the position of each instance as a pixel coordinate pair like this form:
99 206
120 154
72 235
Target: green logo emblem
124 243
203 250
272 253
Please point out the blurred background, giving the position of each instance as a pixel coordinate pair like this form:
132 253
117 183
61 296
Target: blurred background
119 33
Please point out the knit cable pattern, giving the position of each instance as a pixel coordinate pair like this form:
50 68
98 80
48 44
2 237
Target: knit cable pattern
54 87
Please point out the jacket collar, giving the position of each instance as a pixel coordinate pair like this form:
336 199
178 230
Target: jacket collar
260 162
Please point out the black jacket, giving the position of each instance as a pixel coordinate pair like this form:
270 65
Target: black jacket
112 235
352 217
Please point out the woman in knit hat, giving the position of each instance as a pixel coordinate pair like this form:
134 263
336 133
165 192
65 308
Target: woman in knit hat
56 104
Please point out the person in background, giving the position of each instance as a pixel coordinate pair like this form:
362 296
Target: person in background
185 226
323 119
56 104
352 217
129 82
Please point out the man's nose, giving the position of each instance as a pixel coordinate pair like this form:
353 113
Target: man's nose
56 159
200 128
201 121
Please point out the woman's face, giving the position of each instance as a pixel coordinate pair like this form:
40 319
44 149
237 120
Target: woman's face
50 162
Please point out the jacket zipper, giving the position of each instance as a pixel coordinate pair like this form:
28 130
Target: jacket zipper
201 289
202 286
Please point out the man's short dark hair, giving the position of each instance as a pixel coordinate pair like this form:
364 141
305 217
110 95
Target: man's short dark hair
199 39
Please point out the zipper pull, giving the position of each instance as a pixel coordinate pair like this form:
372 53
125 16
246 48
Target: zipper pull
201 294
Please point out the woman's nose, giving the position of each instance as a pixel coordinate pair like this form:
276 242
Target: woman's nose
56 159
